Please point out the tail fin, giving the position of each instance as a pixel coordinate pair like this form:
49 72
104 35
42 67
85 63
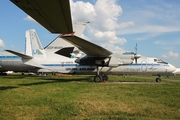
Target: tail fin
58 43
33 45
79 28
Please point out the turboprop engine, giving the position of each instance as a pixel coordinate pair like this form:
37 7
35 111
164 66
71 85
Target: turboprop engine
100 61
113 60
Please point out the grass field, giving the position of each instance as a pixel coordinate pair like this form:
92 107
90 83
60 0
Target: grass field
77 97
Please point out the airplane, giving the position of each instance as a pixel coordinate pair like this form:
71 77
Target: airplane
61 63
177 71
12 62
97 58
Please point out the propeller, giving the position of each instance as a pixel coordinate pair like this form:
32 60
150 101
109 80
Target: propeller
136 56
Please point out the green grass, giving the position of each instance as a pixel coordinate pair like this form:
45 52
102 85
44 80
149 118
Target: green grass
77 97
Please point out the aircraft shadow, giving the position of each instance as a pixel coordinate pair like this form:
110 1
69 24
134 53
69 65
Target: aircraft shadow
16 76
60 80
71 79
7 87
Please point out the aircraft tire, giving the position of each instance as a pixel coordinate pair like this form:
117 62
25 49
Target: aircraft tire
97 78
105 77
158 79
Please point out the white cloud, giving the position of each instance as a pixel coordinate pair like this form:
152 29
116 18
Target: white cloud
103 17
170 54
107 12
2 44
160 42
29 18
112 47
125 24
151 20
105 37
168 43
82 11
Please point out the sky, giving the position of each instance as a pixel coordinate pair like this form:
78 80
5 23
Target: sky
116 25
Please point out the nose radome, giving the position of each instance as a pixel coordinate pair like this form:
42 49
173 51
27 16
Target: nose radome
172 68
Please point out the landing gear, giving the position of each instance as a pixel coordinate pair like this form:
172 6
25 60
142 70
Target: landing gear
100 77
158 79
3 73
97 78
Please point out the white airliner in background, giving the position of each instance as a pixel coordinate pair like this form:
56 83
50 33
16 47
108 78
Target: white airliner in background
56 62
177 71
97 60
11 62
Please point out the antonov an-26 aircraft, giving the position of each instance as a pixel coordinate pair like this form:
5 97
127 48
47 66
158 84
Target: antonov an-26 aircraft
63 62
97 58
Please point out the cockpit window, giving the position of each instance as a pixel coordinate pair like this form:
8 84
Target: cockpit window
160 61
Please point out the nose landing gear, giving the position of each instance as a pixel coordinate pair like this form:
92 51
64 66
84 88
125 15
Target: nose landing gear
158 79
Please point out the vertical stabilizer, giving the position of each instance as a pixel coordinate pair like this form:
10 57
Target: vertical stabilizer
33 45
58 43
79 28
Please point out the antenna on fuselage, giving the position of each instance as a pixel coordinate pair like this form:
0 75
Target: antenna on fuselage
135 49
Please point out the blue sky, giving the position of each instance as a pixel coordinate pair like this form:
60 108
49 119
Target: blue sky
114 24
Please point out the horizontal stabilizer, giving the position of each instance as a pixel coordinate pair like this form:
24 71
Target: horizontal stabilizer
65 51
19 54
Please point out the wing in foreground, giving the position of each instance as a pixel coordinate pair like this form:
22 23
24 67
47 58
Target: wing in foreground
54 15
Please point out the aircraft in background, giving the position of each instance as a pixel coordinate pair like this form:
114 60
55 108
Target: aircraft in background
177 71
12 62
97 60
50 63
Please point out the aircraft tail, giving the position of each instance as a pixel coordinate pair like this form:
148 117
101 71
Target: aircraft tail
79 28
58 43
33 45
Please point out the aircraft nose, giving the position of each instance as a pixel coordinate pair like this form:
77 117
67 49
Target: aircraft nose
172 68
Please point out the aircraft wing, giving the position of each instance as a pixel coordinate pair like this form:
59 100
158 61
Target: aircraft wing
20 54
54 15
90 49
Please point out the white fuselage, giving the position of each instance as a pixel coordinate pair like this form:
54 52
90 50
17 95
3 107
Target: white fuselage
144 65
11 62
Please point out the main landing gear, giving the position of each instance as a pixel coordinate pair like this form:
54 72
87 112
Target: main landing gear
100 77
158 79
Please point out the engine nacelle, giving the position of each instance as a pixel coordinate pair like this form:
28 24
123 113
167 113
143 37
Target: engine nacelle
100 61
114 60
121 59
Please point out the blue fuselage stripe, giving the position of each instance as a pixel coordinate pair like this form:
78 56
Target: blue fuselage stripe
136 65
9 57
